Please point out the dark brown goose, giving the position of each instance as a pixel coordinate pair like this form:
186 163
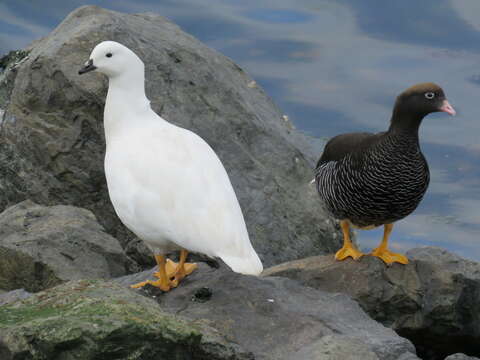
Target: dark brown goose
368 180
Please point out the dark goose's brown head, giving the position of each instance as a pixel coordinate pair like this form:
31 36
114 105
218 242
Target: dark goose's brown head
415 103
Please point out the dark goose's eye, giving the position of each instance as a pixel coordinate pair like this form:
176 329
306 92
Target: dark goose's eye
109 55
429 95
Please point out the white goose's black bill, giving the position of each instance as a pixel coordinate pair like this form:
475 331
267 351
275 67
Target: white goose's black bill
88 67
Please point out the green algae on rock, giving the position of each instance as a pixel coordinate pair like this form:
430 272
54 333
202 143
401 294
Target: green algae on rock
98 320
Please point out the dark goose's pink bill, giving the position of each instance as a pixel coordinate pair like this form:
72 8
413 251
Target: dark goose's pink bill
446 107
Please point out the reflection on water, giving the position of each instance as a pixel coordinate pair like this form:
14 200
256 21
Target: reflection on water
336 66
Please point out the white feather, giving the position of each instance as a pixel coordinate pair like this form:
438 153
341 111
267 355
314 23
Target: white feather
166 184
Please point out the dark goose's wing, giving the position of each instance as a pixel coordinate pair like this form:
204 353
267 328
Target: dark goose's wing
352 143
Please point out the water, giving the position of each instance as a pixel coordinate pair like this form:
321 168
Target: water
336 66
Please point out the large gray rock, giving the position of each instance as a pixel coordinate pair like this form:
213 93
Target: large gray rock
460 356
92 320
52 145
436 296
277 318
43 246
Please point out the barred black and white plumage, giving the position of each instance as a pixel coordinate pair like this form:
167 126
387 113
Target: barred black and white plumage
381 184
370 180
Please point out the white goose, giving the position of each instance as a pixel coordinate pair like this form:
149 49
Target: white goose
166 183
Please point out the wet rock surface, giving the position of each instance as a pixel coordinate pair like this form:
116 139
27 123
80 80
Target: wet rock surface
436 296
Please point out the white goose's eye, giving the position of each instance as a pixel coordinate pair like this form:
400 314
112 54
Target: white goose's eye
430 95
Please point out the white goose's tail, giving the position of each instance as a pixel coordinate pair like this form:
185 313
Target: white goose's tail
247 265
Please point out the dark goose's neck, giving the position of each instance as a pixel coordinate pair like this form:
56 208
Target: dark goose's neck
404 122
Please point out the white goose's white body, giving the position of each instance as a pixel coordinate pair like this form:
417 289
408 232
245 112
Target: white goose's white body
166 184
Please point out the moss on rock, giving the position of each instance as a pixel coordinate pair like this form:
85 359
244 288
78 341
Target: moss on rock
98 320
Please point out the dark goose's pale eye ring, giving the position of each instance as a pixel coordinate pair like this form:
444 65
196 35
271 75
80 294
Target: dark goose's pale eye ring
429 95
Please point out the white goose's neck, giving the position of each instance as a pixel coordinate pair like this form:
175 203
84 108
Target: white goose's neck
126 103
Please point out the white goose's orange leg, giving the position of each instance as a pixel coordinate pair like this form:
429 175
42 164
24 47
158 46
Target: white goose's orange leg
348 249
170 267
183 268
382 250
163 283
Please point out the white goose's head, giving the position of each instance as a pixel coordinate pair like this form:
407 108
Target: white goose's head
113 59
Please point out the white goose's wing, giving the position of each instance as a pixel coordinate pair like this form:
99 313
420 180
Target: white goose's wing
180 192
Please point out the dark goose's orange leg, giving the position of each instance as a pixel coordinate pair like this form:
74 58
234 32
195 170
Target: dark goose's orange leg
382 250
348 249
